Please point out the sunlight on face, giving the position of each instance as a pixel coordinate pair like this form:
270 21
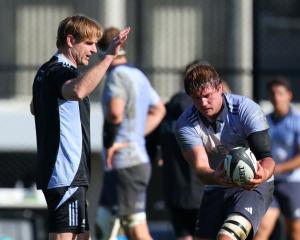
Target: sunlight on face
82 51
209 101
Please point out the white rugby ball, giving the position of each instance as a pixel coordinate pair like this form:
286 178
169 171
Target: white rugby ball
240 165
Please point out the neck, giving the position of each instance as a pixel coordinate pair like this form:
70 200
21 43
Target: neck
281 112
67 53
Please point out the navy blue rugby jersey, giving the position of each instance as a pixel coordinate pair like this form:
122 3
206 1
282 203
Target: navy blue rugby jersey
62 128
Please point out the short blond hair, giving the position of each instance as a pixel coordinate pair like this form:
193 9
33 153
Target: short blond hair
80 27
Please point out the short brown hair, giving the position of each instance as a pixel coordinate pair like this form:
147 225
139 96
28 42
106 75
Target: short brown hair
279 81
200 76
108 35
80 27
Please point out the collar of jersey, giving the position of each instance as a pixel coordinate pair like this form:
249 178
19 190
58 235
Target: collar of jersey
62 59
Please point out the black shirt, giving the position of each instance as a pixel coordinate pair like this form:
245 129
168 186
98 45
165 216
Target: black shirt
62 128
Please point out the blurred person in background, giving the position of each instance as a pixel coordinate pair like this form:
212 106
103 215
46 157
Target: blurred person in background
132 110
206 131
284 130
60 106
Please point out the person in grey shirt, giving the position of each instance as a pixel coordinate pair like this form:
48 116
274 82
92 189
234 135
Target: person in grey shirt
132 109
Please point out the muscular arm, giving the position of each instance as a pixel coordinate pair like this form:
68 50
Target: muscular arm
198 160
80 87
155 115
259 143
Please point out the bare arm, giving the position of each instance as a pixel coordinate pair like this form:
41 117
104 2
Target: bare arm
80 87
116 110
198 160
289 165
155 115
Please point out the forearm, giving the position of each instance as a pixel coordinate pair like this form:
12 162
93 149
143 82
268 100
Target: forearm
268 165
207 175
155 115
288 166
151 123
110 131
84 85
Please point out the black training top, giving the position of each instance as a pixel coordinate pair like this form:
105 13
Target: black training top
62 128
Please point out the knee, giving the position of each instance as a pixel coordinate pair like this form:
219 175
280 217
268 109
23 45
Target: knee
133 220
235 227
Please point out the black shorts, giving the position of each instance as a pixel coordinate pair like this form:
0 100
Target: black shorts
218 203
67 209
184 221
124 190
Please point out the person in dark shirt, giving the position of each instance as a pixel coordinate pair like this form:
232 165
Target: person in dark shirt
182 189
60 105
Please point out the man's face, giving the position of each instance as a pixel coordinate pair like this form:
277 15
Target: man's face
281 98
209 101
82 51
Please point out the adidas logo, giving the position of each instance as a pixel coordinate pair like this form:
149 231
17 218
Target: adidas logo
249 210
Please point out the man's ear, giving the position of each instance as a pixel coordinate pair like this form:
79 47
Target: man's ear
221 88
70 40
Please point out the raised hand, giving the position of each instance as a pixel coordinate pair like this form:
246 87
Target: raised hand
117 42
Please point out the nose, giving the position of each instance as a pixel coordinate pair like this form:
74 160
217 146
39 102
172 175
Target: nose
94 48
204 102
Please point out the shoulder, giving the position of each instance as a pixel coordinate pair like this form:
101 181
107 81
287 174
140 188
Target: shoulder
188 118
295 114
294 119
242 105
124 68
235 101
60 68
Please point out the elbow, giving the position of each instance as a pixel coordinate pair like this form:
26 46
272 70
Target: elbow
73 92
79 94
161 111
115 118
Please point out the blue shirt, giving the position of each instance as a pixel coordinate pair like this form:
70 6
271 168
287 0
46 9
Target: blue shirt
239 118
131 85
285 139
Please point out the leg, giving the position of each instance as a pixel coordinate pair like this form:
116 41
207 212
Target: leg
136 227
69 236
267 224
189 237
62 236
235 227
107 224
183 222
293 229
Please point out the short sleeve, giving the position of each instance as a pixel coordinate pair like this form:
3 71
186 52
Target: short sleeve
186 134
154 97
59 76
116 86
252 117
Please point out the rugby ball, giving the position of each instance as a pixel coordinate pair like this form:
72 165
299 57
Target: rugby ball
240 165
